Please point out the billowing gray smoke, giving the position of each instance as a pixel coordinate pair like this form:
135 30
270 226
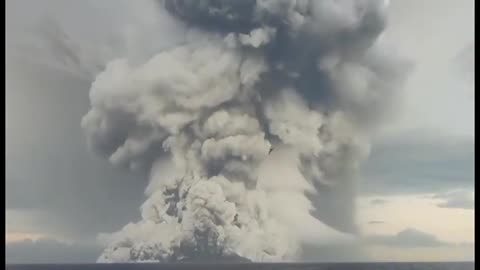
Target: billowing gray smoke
252 128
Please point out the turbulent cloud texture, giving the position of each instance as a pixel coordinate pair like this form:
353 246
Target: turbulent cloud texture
204 116
268 104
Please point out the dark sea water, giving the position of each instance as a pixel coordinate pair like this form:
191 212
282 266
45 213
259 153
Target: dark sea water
252 266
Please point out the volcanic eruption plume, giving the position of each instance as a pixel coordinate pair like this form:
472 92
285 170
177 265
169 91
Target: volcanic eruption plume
306 79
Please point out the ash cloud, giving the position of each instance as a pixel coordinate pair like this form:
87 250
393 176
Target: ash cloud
251 82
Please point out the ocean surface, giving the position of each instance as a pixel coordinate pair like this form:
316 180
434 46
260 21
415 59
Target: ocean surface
251 266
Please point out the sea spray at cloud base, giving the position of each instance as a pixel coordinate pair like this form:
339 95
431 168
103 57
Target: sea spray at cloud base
252 127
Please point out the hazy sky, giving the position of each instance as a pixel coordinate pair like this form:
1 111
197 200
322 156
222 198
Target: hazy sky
416 189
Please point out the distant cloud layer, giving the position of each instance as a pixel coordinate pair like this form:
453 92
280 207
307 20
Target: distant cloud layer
407 238
419 163
50 251
378 202
335 253
375 222
463 199
464 63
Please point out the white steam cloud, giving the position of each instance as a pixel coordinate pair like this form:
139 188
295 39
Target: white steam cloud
305 79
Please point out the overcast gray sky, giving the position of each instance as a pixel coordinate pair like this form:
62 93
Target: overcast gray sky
58 190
